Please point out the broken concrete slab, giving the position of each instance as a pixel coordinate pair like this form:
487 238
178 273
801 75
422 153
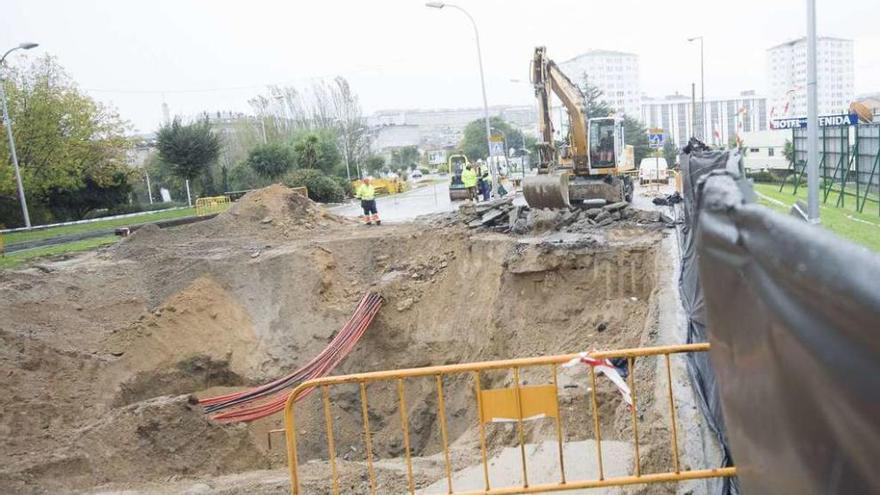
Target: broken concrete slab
616 206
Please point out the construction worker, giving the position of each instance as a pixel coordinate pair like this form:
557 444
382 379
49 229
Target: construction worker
485 182
469 179
367 194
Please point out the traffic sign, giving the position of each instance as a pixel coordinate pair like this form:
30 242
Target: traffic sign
496 148
655 138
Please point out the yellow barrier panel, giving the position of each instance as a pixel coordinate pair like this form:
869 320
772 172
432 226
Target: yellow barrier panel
384 186
518 403
212 204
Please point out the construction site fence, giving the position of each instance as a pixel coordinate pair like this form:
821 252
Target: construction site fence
849 165
384 186
518 403
211 205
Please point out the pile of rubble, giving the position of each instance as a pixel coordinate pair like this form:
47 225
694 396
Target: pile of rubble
503 215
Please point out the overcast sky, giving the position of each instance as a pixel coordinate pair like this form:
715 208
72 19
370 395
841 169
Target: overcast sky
214 55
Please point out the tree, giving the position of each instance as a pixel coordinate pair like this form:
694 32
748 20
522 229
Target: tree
473 143
67 144
374 164
317 150
634 133
189 149
670 152
595 106
404 158
272 160
351 127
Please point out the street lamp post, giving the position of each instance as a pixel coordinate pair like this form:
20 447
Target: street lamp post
812 119
8 124
440 5
702 89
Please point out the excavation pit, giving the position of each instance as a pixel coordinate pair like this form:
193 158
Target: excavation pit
101 352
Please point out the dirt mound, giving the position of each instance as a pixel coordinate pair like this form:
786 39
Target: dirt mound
160 438
281 208
271 214
126 443
203 320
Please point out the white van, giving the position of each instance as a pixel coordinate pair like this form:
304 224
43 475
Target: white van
653 170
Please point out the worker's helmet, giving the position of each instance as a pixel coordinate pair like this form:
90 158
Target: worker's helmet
367 179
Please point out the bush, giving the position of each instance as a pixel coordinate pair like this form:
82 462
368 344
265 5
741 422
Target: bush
322 188
344 184
764 176
424 170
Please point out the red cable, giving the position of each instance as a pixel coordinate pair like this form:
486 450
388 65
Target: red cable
262 401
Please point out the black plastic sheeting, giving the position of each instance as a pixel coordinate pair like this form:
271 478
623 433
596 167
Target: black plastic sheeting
793 315
694 166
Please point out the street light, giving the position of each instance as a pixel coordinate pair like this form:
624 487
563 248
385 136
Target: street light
8 124
440 5
702 89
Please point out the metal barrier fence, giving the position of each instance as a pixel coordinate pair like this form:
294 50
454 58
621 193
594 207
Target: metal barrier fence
212 204
520 403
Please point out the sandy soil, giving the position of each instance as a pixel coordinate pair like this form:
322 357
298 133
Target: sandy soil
102 354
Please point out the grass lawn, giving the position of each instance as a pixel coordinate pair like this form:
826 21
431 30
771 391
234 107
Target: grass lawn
863 228
33 235
18 258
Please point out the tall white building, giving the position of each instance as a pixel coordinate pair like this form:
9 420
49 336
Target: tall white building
725 117
615 73
787 71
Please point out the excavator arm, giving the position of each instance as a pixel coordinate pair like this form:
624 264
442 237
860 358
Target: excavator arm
547 77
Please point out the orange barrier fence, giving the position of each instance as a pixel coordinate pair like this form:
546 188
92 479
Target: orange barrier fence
519 403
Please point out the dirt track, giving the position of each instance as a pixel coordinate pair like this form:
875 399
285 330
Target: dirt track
100 353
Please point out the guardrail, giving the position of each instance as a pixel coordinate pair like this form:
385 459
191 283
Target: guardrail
519 403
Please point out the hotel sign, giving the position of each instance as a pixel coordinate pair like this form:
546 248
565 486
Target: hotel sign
824 121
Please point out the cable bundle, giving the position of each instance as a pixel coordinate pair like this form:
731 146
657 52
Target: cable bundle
267 399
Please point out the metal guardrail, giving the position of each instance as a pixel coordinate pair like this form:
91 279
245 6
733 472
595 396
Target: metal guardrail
521 402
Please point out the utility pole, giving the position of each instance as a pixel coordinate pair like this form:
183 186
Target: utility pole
7 122
693 109
812 119
702 90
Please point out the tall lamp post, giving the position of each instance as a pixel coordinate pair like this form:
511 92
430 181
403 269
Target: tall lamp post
440 5
702 89
812 119
8 124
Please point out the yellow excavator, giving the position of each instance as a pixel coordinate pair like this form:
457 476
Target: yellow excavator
588 169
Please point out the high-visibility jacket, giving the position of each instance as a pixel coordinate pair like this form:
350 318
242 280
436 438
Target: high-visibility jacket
365 192
469 178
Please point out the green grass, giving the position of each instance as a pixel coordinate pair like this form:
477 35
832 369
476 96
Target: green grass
18 258
863 228
33 235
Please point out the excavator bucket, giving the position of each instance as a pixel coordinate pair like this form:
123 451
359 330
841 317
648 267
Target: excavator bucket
546 191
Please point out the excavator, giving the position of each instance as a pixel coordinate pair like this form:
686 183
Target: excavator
588 169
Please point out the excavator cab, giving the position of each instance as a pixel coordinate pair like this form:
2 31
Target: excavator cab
605 140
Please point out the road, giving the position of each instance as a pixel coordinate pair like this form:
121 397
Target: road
433 198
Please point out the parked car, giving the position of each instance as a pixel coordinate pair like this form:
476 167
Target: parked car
653 170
